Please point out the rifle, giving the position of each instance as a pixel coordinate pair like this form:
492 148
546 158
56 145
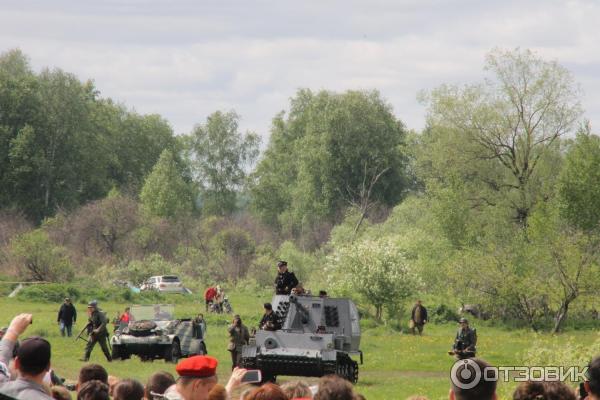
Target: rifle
87 329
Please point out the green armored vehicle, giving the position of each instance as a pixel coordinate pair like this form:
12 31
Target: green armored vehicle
317 338
153 333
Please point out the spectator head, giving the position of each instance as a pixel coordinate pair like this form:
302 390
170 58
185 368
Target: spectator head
218 392
128 389
92 372
93 390
158 383
33 357
268 391
484 390
197 376
543 391
60 393
332 387
592 382
296 389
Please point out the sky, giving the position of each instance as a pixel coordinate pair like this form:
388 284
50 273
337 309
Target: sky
186 59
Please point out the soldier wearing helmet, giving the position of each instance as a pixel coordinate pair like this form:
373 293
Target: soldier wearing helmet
97 331
465 341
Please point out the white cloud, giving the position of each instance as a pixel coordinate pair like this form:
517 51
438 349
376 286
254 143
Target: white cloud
186 59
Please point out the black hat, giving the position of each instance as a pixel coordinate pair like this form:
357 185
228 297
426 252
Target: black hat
281 263
268 306
93 303
34 355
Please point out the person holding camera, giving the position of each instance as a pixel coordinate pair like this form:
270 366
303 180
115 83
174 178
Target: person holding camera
238 337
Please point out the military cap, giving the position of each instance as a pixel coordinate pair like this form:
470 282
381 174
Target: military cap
93 303
197 366
460 321
281 263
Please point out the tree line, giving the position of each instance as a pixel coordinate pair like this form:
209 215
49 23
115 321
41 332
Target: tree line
493 202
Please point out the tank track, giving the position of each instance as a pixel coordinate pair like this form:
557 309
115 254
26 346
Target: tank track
272 365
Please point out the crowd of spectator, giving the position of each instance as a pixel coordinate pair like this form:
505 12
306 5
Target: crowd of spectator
25 373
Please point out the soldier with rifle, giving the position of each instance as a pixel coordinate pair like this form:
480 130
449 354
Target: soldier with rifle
465 341
97 332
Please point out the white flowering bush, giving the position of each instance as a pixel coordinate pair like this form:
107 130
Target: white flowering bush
560 351
374 270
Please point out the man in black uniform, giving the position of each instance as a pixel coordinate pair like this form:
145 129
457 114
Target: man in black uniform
285 280
67 315
269 321
465 341
97 331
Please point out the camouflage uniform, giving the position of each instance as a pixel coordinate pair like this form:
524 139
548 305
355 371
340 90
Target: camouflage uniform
98 334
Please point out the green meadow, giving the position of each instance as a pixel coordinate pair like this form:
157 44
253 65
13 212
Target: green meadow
396 365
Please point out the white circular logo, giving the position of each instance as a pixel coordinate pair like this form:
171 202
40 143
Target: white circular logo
465 374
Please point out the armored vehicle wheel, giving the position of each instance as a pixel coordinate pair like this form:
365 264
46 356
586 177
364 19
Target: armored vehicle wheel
173 352
119 352
347 368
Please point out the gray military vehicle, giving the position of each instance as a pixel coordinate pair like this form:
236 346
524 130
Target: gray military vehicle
317 338
153 333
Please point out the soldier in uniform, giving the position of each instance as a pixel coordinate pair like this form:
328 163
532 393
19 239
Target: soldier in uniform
465 341
199 326
269 321
97 331
238 337
418 317
285 280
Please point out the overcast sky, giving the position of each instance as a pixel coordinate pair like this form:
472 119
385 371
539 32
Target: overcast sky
186 59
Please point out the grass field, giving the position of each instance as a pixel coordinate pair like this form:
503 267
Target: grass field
396 365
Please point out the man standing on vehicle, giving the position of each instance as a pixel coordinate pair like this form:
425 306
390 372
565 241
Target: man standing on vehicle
97 331
67 316
285 280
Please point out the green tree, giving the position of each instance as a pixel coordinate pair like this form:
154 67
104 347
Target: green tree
165 193
333 151
39 259
579 183
498 135
376 271
221 157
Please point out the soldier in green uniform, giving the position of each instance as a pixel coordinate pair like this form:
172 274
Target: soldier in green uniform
465 341
97 331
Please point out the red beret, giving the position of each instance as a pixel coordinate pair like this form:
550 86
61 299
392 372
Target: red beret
197 366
